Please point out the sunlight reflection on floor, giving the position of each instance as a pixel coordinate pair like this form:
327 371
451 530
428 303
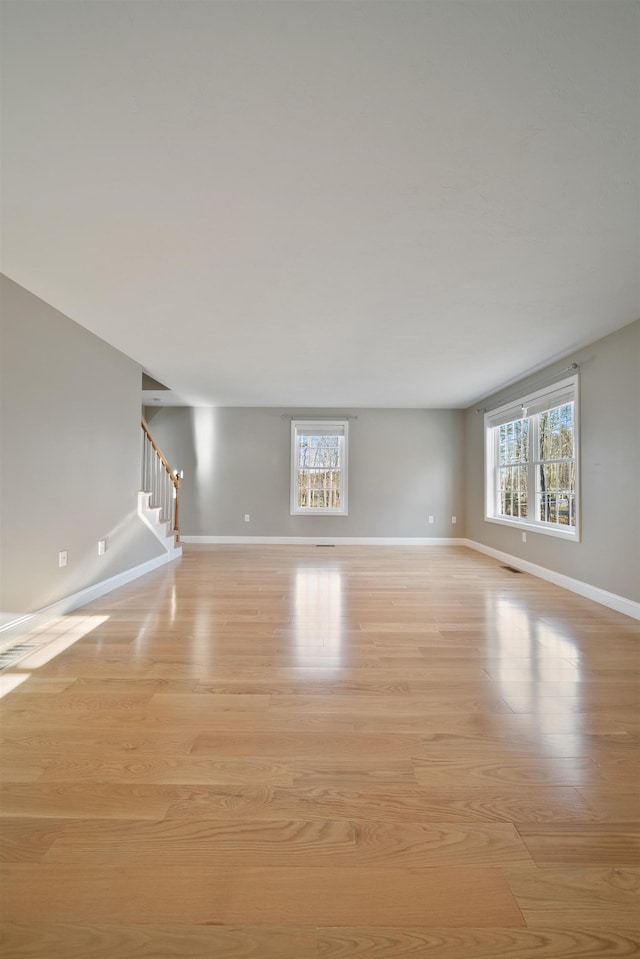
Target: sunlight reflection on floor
318 612
536 671
56 636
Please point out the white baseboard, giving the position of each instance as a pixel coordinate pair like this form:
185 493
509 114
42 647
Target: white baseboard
620 603
326 540
23 625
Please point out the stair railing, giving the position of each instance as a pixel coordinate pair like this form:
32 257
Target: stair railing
161 481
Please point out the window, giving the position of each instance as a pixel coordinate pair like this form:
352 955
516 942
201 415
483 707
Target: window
532 461
319 467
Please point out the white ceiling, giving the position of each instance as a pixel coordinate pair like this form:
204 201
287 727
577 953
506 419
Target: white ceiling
315 203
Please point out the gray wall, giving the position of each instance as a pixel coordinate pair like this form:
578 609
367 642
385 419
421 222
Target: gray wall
608 555
70 448
403 466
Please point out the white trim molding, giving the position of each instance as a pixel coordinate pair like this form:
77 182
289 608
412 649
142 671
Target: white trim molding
529 454
23 625
612 600
327 540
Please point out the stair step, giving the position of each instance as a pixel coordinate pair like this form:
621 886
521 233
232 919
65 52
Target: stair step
160 527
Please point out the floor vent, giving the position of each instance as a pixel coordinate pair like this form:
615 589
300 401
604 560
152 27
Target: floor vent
512 569
14 653
325 545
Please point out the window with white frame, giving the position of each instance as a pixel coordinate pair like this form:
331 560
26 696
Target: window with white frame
532 461
319 467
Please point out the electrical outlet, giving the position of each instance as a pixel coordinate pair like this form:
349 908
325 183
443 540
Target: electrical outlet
431 519
247 517
454 519
102 547
62 557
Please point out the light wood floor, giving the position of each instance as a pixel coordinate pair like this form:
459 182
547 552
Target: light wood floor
317 753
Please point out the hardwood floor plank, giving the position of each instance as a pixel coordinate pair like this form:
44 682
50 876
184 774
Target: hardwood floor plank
306 745
26 840
449 698
238 843
413 844
593 845
612 805
83 754
35 685
323 896
622 772
275 689
108 940
50 739
19 773
516 728
127 687
102 800
388 802
601 747
547 943
580 896
193 705
21 718
170 770
536 771
617 696
345 773
617 674
67 701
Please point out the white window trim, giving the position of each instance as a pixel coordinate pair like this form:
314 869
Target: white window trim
556 394
331 427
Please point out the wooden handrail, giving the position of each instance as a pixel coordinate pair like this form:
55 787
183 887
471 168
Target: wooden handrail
174 479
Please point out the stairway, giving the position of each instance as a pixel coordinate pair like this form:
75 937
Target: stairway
151 516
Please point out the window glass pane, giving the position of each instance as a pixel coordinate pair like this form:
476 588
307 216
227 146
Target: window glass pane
564 475
564 508
513 442
566 430
548 508
556 433
318 451
512 491
522 489
550 474
502 446
556 490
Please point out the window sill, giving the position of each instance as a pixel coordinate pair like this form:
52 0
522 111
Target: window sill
559 532
316 511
